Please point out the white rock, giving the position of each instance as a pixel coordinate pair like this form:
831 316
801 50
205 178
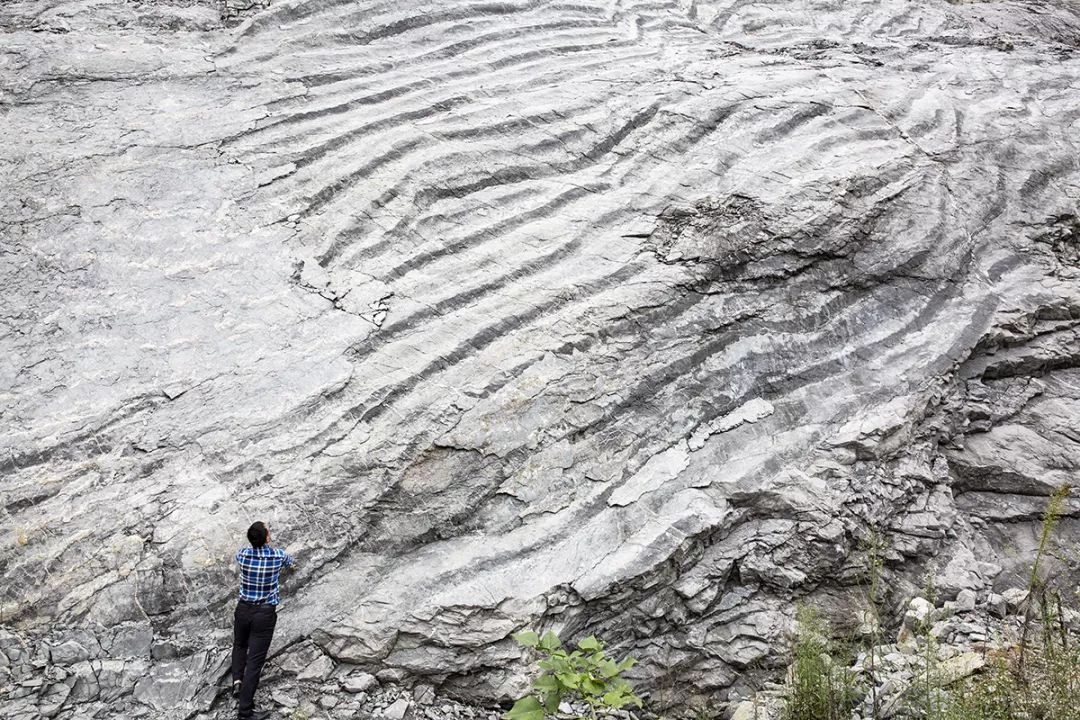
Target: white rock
359 682
918 613
397 709
1014 598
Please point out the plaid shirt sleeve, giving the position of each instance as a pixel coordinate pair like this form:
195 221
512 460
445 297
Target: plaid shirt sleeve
286 559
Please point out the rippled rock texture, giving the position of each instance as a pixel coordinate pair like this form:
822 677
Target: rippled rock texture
626 318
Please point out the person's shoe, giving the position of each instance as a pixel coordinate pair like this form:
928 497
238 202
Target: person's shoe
256 715
236 688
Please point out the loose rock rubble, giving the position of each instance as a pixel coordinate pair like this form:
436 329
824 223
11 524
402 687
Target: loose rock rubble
957 638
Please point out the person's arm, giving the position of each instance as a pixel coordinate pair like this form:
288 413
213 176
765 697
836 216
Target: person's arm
288 561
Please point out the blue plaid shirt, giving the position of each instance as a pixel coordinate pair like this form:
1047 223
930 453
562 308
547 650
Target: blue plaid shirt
259 572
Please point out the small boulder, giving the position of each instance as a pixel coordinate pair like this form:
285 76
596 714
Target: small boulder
1014 598
299 657
397 709
68 652
918 613
360 682
996 605
391 675
424 694
761 707
961 666
965 601
283 699
320 669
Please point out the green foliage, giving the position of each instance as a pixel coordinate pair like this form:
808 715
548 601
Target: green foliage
930 698
1037 679
874 549
1049 689
1040 678
989 696
819 687
585 675
1037 584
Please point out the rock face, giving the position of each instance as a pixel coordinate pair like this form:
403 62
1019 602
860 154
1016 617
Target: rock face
634 319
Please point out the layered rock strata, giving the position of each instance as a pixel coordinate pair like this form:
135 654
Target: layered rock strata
638 319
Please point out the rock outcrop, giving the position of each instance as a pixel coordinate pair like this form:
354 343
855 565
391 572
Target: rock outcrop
629 318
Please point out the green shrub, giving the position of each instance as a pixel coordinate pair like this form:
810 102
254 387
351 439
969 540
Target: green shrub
585 675
819 687
1038 678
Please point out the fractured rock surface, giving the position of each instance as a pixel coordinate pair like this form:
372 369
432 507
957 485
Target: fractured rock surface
626 318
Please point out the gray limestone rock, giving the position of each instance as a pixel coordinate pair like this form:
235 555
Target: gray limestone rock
965 601
397 709
359 682
69 652
174 684
636 319
283 699
132 640
1015 599
319 669
299 658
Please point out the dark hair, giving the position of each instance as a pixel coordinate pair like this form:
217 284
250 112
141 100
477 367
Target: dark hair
257 534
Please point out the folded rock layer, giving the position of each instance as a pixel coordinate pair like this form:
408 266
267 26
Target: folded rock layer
640 319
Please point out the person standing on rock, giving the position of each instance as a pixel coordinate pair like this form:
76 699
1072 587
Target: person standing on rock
255 616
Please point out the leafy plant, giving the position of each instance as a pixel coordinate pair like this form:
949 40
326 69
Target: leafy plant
819 687
585 675
1037 584
1037 678
875 562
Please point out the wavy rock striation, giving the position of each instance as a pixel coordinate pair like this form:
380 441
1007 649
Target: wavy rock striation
627 318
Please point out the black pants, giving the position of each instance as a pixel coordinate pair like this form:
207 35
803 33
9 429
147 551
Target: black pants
253 629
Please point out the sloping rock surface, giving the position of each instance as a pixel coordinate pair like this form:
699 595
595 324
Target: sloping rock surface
630 318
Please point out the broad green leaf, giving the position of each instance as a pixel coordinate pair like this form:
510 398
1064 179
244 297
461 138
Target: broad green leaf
621 697
627 664
551 702
593 687
546 683
590 644
527 708
557 664
570 680
608 668
615 699
527 639
550 641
